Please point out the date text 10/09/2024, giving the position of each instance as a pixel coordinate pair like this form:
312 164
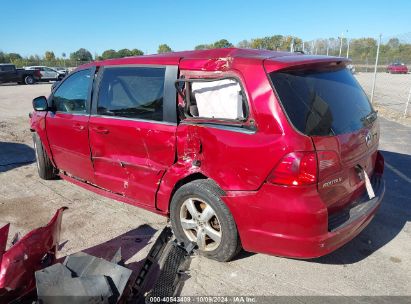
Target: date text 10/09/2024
204 299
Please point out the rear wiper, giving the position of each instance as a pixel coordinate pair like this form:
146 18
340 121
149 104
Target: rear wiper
370 118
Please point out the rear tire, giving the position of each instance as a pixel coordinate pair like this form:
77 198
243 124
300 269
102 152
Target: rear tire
45 168
224 243
29 80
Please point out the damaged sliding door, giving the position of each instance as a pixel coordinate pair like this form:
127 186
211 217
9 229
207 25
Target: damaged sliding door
132 129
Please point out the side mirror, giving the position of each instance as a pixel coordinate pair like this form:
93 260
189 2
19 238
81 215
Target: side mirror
40 103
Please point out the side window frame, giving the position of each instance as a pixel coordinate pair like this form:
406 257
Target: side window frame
169 92
223 121
89 93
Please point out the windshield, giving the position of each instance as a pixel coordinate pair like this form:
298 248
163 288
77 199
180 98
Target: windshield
322 103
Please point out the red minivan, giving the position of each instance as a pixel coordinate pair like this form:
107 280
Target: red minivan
273 152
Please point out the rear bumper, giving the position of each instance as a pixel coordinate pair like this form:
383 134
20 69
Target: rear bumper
398 71
294 222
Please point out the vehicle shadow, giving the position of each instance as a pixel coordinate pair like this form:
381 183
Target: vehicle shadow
130 243
14 155
390 219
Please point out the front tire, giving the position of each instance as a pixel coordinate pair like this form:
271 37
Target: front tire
198 214
29 80
44 166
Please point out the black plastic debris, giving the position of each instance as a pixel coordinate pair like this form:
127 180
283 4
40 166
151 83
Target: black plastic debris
172 274
163 271
82 278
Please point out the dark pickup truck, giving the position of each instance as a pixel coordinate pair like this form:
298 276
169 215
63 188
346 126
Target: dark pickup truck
9 73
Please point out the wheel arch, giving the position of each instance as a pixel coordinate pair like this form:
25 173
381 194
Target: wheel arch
41 133
229 243
168 189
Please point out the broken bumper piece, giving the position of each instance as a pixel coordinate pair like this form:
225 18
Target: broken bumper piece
82 278
34 251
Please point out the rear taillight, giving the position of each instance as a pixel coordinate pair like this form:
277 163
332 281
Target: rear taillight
379 163
295 168
328 163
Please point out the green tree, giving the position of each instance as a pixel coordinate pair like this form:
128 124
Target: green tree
276 42
49 56
4 58
124 53
393 43
363 48
109 54
244 44
222 43
136 52
258 43
14 57
164 48
81 55
203 47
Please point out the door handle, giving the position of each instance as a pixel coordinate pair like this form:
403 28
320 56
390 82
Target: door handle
100 130
78 126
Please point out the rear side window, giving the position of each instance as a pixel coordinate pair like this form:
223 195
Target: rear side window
132 92
218 99
321 103
7 68
71 96
215 99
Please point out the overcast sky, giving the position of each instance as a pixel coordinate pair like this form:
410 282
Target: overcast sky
32 27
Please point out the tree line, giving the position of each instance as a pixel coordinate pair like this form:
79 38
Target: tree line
361 50
82 55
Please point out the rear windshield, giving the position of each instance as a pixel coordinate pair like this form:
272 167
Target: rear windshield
321 103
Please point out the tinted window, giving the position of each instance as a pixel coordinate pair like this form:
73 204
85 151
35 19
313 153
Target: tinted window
72 94
8 68
322 103
133 92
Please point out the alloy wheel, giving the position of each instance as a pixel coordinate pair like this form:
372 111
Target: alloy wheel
200 224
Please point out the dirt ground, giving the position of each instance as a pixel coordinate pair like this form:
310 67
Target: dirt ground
377 262
391 94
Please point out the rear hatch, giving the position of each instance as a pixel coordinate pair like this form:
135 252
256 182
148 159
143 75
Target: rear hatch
324 101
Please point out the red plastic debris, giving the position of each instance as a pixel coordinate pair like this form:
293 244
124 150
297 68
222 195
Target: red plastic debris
4 231
34 251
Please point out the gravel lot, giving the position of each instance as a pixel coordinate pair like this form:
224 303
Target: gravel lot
377 262
391 90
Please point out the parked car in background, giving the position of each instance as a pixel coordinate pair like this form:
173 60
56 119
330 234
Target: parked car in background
274 152
47 73
9 73
61 70
397 68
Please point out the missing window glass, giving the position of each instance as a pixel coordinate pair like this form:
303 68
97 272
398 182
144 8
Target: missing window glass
222 98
